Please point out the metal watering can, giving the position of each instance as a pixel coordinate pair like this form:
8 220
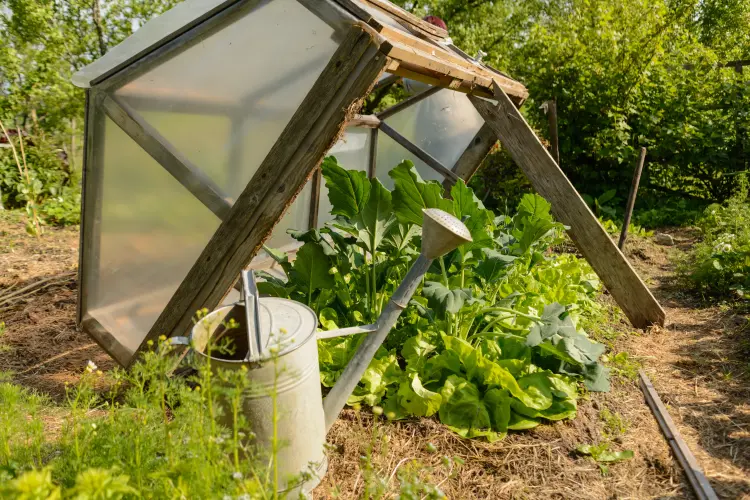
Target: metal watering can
279 336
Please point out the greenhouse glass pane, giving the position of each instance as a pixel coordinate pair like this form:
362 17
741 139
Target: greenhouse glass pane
443 125
297 217
353 153
150 232
224 99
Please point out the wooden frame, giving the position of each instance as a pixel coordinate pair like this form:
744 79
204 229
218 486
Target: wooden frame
349 75
368 48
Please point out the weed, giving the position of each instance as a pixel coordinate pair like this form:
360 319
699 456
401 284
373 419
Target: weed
614 425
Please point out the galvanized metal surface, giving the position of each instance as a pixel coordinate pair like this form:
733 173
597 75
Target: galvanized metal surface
289 380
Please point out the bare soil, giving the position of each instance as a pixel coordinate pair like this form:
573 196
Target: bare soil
698 363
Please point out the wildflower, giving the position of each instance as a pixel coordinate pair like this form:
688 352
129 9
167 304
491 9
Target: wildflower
91 367
244 497
93 426
226 497
237 476
722 248
162 338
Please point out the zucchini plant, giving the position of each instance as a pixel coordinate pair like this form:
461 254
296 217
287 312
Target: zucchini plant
490 342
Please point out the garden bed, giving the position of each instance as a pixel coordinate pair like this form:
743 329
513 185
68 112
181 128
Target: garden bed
696 364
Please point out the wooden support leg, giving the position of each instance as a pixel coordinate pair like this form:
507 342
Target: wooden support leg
313 129
592 240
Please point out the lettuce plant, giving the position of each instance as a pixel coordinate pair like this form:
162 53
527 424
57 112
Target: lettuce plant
489 342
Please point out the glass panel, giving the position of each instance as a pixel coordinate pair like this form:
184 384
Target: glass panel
353 153
149 35
225 98
297 217
443 125
151 231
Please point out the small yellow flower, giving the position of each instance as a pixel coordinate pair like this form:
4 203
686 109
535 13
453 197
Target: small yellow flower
162 337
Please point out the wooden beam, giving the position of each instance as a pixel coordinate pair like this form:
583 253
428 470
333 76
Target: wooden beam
151 141
373 160
312 222
469 161
592 240
420 153
313 129
701 486
389 80
407 18
366 121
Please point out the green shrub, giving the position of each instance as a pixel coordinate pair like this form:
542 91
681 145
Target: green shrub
720 264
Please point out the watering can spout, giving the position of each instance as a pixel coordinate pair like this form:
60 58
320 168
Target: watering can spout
441 233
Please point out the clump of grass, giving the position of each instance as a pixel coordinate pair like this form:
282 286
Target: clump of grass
150 435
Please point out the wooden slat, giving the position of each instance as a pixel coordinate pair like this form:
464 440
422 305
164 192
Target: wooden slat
373 160
448 56
592 240
312 221
151 141
366 121
469 161
698 480
435 65
313 129
402 16
420 153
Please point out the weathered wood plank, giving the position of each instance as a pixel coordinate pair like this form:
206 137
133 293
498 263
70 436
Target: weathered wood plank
373 161
312 221
469 161
701 486
313 129
151 141
366 121
592 240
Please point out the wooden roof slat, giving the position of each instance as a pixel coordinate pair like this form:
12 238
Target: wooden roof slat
403 16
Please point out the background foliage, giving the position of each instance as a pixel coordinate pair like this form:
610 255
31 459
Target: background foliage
624 74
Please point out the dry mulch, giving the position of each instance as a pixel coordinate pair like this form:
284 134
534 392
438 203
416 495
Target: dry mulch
696 364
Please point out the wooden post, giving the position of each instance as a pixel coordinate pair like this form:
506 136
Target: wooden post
469 161
314 199
631 198
373 163
554 144
592 240
313 129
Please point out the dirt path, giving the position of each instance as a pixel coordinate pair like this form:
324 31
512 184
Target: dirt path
700 364
696 364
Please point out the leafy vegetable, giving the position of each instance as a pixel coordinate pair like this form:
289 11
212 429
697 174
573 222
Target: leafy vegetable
490 342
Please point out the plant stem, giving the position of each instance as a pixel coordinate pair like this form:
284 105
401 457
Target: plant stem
445 273
512 311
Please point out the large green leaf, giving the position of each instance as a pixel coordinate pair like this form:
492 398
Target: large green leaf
417 400
443 299
493 266
377 215
463 409
348 190
497 402
311 267
411 194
